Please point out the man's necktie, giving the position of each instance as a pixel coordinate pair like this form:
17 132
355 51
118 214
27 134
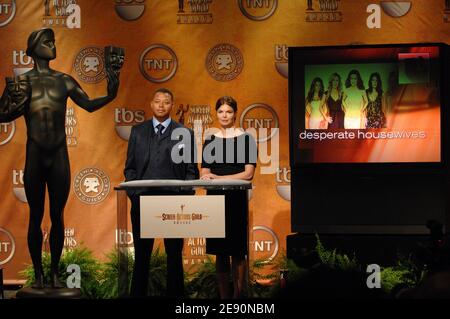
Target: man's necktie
160 129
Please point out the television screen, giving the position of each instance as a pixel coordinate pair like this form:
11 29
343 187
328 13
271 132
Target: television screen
368 104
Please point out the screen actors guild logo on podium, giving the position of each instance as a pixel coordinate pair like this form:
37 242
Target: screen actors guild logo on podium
281 59
182 217
89 65
7 131
130 10
62 13
158 63
125 119
7 11
91 185
7 246
224 62
199 12
71 127
265 244
258 10
18 187
328 11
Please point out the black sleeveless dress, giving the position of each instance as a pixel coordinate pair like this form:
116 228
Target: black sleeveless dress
336 113
235 242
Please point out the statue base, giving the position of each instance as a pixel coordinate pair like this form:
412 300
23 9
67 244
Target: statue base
50 293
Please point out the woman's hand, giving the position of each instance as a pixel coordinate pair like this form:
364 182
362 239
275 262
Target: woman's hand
209 176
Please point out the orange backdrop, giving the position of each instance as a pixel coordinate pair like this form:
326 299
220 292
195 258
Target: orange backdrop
199 49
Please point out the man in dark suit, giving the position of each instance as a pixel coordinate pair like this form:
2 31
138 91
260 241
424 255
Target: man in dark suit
150 157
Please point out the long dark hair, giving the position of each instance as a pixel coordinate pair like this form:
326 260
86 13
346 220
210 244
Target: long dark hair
310 95
379 88
359 82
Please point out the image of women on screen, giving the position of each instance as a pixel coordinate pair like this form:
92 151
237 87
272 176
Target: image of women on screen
316 114
333 102
354 101
375 109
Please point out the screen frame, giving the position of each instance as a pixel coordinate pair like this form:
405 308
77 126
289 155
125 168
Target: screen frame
369 169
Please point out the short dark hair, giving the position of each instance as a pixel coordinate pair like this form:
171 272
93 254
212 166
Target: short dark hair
228 100
165 91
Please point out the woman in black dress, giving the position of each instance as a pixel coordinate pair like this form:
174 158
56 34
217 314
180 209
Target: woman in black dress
334 103
216 164
375 114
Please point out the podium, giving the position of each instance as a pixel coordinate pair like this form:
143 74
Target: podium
161 185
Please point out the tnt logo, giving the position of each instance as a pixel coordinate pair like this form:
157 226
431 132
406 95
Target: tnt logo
7 246
7 131
265 244
258 10
7 11
125 119
158 63
18 188
262 118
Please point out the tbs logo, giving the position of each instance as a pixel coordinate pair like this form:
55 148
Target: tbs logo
125 119
18 188
22 62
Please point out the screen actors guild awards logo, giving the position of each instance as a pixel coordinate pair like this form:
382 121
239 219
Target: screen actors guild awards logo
158 63
71 127
328 11
62 13
89 65
130 10
258 10
447 11
224 62
7 246
7 11
199 12
91 185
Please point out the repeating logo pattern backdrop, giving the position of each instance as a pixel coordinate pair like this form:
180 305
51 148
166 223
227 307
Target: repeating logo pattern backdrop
201 50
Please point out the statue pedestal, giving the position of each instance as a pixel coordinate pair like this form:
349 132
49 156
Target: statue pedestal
50 293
